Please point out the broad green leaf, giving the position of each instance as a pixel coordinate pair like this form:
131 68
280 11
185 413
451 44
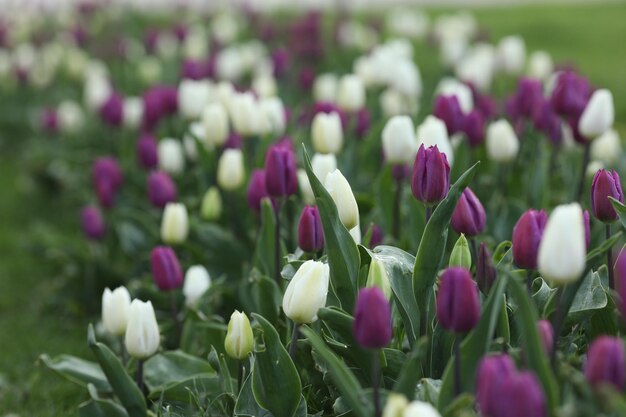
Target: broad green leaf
411 372
78 370
266 296
101 408
620 209
166 368
589 298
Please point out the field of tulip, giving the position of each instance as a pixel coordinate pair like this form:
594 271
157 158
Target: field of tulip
415 213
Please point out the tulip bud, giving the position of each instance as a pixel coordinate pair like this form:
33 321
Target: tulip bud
546 335
448 109
161 189
166 270
305 187
377 277
257 190
107 179
605 184
193 96
562 249
606 362
420 409
619 270
280 172
486 273
460 255
432 132
527 234
469 215
474 127
377 236
197 282
325 87
147 152
323 164
492 371
306 292
327 133
395 406
70 116
174 224
351 93
607 147
142 333
363 122
502 142
511 54
132 112
211 208
230 170
598 116
458 307
341 193
310 232
115 306
399 142
92 223
540 65
246 116
520 394
215 121
171 156
112 110
239 338
372 319
430 180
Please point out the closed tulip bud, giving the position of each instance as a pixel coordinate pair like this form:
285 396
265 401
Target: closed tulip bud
492 371
546 335
306 292
469 215
239 338
502 142
458 308
132 112
430 179
112 110
420 409
432 132
341 193
193 96
395 406
115 306
161 189
448 109
540 65
166 270
211 208
197 282
377 236
527 234
372 319
92 223
245 115
171 156
280 172
363 122
174 224
310 232
323 164
511 54
305 187
606 362
327 133
147 152
351 93
230 170
607 147
461 255
399 142
142 332
474 127
377 277
598 116
486 272
325 87
257 190
275 114
107 170
215 122
520 395
70 116
605 184
619 270
562 249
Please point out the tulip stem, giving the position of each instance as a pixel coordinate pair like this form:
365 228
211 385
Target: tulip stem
177 324
457 367
472 242
583 172
609 258
294 341
559 317
429 213
123 351
396 210
529 281
239 374
140 375
376 382
279 202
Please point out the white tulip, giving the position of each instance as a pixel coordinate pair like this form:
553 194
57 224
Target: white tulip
598 116
274 112
246 115
452 50
193 97
511 54
478 66
229 64
305 187
355 233
323 164
71 116
265 86
351 93
395 406
211 207
149 70
166 45
339 189
540 65
501 140
593 167
224 93
230 170
327 133
433 132
306 292
607 147
142 333
195 132
132 112
399 141
115 307
562 249
171 156
239 339
407 22
420 409
215 121
325 87
393 103
453 87
405 77
97 90
197 282
196 45
174 223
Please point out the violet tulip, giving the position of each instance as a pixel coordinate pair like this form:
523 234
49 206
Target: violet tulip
166 270
280 172
486 273
448 109
430 180
256 190
92 223
107 178
605 184
458 307
606 362
469 215
161 189
527 234
310 232
520 394
147 152
474 127
372 319
377 236
546 334
112 110
492 370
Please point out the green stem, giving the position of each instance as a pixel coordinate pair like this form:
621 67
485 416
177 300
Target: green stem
294 341
277 241
609 258
376 383
583 171
140 375
458 387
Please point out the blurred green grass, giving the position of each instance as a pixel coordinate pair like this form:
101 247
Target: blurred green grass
590 36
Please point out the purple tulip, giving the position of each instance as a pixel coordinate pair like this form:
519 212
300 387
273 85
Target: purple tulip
310 232
107 178
474 127
372 319
180 30
527 234
605 184
92 223
306 78
193 69
49 121
377 236
147 151
548 122
448 109
529 96
492 371
328 107
469 215
519 395
486 273
161 189
570 95
150 40
606 362
280 172
280 61
430 180
112 110
256 190
458 307
166 270
233 141
619 270
362 123
546 334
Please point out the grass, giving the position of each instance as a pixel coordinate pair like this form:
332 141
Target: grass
32 321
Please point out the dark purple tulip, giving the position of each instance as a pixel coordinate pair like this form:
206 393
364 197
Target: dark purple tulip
606 362
280 172
529 96
49 121
150 40
306 78
487 106
469 215
547 121
106 193
166 270
280 61
527 234
256 190
448 109
112 110
363 122
430 180
310 232
474 127
486 273
400 171
619 270
587 225
377 236
546 334
161 189
570 95
605 184
107 179
180 31
372 319
233 141
519 395
492 370
458 307
193 69
92 223
147 151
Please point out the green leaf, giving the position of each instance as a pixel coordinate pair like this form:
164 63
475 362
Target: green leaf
275 381
603 248
428 390
170 367
266 241
101 408
589 298
78 370
620 209
411 372
218 362
266 297
343 255
247 406
123 385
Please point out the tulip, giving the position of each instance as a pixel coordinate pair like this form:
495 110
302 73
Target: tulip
511 54
92 223
486 273
264 85
171 157
363 122
257 190
310 232
587 226
112 111
341 193
519 395
193 96
562 249
395 406
430 179
107 179
305 187
70 116
142 332
529 96
161 189
132 112
246 116
211 208
540 65
546 335
280 172
570 95
607 147
598 116
460 255
174 224
377 277
376 237
432 132
606 362
492 371
49 121
215 122
420 409
399 142
351 93
306 292
147 152
325 87
327 133
527 234
452 87
166 270
274 112
502 142
197 282
239 338
469 215
230 170
372 319
448 109
605 184
323 164
115 308
97 91
458 307
474 127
